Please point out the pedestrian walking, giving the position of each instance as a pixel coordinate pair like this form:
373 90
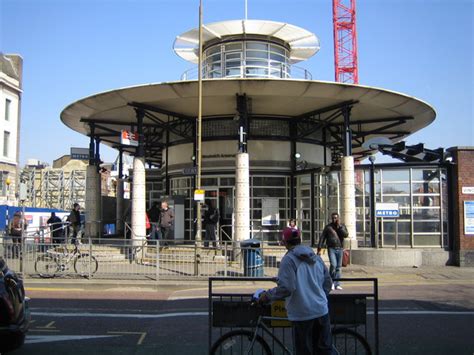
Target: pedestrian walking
333 237
304 283
56 228
166 222
211 218
74 219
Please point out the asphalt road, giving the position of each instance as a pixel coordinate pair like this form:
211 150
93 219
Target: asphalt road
422 318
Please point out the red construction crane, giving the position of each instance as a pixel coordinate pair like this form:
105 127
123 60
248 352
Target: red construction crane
345 41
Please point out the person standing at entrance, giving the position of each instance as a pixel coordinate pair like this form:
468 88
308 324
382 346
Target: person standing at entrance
74 219
211 218
166 221
304 282
154 216
56 228
333 237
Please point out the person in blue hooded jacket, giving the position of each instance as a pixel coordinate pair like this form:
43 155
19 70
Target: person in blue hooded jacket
304 282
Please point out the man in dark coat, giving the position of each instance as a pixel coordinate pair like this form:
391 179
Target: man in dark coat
211 218
154 217
74 219
56 227
166 221
333 237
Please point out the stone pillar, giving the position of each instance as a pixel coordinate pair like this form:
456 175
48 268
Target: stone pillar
462 197
138 201
348 210
92 211
242 197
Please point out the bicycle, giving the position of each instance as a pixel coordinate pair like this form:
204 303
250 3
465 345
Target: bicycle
242 341
47 266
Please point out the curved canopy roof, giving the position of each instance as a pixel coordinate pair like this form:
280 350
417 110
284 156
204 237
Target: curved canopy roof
374 111
303 44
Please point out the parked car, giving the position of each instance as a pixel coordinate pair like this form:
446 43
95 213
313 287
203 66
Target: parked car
14 309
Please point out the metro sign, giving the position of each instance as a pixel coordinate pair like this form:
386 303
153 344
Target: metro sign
387 210
129 138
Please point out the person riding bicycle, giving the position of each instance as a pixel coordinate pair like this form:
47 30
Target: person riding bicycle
304 282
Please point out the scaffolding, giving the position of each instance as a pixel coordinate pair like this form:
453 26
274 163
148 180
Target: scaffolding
54 188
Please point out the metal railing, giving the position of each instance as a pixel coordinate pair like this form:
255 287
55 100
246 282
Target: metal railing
273 72
149 259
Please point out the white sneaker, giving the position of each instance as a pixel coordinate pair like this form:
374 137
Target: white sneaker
333 287
338 287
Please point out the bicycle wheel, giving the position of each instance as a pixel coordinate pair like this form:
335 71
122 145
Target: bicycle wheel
46 266
85 265
349 342
238 342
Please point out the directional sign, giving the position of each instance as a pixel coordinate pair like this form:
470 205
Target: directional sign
387 210
199 195
129 138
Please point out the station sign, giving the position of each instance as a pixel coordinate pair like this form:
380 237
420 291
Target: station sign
199 195
387 210
468 190
129 138
190 171
79 153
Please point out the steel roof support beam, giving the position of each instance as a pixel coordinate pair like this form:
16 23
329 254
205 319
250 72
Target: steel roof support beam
326 109
160 110
107 129
91 144
347 148
113 122
140 151
401 119
378 130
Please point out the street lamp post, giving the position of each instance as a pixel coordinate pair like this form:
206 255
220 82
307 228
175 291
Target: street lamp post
372 202
199 129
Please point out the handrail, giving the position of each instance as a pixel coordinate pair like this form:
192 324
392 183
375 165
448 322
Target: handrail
288 73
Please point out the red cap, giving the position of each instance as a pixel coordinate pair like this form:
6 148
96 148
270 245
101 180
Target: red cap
290 234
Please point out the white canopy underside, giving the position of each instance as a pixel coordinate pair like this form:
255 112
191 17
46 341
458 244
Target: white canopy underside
275 97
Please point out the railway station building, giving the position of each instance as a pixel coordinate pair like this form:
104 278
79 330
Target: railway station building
303 143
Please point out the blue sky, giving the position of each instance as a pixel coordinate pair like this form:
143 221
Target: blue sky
76 48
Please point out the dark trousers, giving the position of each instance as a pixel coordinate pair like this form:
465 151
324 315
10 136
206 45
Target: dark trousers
74 230
166 234
16 247
312 336
210 235
155 233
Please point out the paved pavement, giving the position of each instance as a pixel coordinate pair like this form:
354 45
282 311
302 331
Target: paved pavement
386 276
394 284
